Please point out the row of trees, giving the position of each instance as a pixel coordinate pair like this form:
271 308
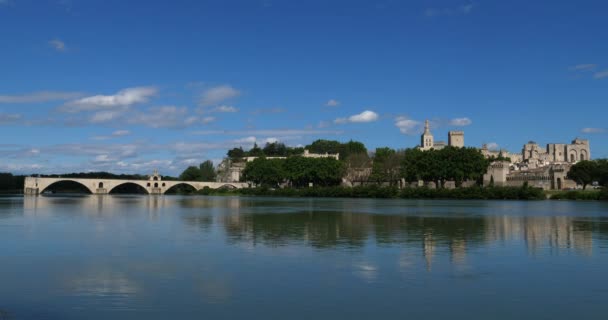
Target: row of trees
299 171
279 149
385 165
455 164
274 149
590 171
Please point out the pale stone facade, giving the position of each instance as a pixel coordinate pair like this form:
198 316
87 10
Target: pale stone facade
545 168
515 157
456 139
535 156
427 140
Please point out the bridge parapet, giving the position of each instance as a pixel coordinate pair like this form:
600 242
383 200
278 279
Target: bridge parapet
37 185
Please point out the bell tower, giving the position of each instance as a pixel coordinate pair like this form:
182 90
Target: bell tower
427 140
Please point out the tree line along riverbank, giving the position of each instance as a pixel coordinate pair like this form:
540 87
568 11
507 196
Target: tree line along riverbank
387 192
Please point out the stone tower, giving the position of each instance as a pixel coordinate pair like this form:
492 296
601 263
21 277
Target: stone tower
456 139
426 140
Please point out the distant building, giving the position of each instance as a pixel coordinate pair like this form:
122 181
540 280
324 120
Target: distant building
535 156
427 140
456 139
545 168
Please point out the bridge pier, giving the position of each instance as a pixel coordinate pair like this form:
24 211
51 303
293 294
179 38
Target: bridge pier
31 191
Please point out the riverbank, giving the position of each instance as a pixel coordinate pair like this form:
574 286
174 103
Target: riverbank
489 193
579 195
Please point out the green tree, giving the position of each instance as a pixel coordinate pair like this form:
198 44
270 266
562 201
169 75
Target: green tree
207 171
262 171
386 166
319 171
191 173
275 149
236 153
458 164
255 151
584 172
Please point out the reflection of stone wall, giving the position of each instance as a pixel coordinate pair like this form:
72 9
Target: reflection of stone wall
553 233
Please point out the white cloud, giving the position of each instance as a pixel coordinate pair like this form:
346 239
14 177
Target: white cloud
593 130
120 133
229 109
583 67
492 146
408 126
460 122
115 134
462 9
58 45
332 103
601 74
105 116
365 116
323 124
41 96
154 117
122 99
218 94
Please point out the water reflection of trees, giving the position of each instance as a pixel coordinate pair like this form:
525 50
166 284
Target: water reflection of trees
322 229
329 229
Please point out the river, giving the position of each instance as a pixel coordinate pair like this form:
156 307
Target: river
191 257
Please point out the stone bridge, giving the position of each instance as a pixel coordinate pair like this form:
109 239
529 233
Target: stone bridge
36 185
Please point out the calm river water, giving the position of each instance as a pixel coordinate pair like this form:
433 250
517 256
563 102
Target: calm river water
172 257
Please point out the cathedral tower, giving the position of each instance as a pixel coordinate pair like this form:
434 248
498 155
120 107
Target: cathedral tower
426 140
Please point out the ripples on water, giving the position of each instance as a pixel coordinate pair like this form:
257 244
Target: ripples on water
228 257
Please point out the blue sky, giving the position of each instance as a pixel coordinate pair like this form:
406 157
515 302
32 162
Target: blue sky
129 86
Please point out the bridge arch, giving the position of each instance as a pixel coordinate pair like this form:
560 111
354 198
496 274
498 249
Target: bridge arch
44 188
139 186
173 187
228 186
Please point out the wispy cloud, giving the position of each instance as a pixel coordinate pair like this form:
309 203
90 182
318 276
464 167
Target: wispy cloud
583 67
269 132
40 96
365 116
332 103
218 94
154 117
58 45
7 118
460 122
408 126
267 111
225 109
601 74
121 99
593 130
115 134
462 9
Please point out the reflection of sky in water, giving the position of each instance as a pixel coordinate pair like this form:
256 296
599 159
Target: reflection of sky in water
156 257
